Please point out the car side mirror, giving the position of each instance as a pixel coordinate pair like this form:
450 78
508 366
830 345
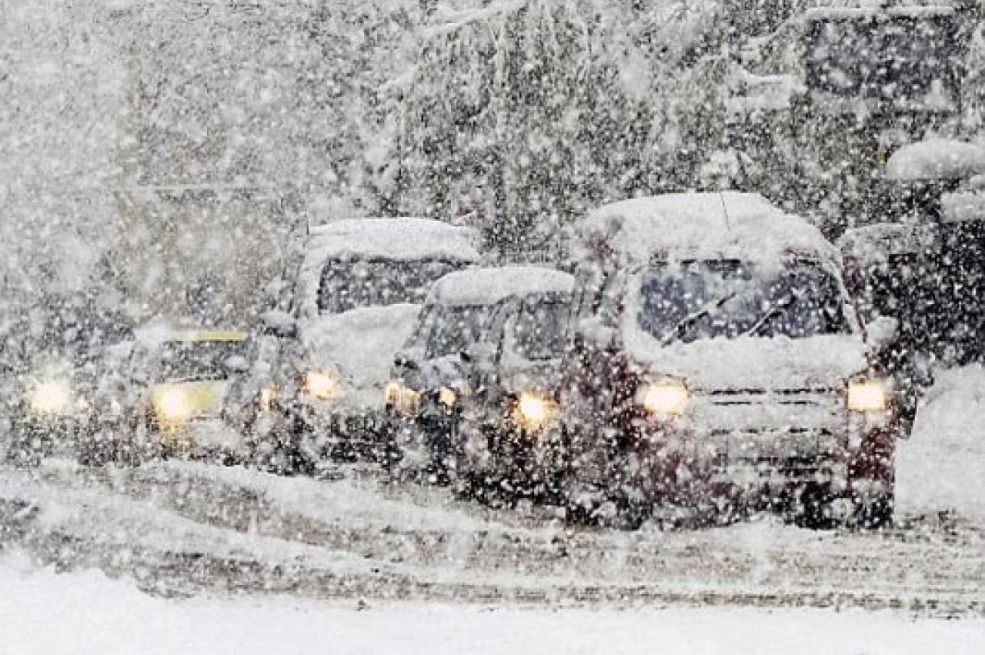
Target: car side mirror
478 353
882 332
405 361
279 324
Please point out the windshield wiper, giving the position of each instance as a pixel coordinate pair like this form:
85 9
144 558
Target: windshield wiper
782 303
691 319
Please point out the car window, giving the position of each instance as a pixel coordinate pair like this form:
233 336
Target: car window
540 328
348 285
709 299
454 329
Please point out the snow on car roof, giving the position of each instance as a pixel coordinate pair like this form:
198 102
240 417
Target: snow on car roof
391 238
728 224
841 10
935 159
486 286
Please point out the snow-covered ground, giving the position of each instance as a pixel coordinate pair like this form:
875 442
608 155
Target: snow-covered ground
46 613
941 468
181 529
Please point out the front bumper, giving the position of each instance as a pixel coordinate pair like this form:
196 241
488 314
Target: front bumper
336 433
754 469
523 463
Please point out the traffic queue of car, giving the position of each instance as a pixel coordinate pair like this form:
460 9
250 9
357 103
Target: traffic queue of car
701 356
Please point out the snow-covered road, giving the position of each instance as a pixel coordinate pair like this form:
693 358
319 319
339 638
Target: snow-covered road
185 529
45 613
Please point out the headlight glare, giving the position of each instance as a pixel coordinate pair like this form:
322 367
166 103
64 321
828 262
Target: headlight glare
664 398
447 397
268 395
534 410
173 406
405 400
51 397
868 396
323 385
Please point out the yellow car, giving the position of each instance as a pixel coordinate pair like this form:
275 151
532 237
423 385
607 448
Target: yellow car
185 378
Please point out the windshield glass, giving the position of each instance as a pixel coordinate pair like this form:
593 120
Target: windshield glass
454 329
347 285
199 360
708 299
541 327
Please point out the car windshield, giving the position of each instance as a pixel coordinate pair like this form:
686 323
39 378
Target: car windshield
454 329
728 298
347 285
541 327
199 360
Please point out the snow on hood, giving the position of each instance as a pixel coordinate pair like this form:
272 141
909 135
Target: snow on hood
713 225
935 159
751 362
448 371
360 345
487 286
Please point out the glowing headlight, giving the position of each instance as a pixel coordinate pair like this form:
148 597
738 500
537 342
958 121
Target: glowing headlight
666 397
447 397
405 400
51 397
322 385
533 411
868 396
267 397
173 406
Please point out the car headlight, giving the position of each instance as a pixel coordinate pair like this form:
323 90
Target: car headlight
51 397
447 397
664 397
868 396
267 398
323 385
534 410
173 406
405 400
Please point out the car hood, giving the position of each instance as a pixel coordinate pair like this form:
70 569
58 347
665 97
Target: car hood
518 375
754 362
360 345
449 371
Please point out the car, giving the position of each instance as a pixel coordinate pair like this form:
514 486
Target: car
486 350
63 392
718 365
354 304
180 379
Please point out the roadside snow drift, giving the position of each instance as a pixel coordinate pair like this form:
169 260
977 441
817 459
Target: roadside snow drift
50 614
942 466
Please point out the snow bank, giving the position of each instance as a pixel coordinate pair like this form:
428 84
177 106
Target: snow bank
685 225
49 614
935 159
487 286
942 466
